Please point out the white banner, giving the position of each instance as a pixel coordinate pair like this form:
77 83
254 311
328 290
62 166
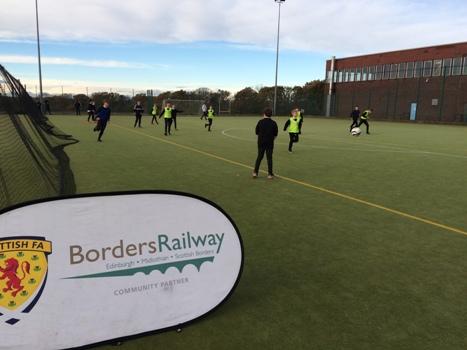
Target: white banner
87 269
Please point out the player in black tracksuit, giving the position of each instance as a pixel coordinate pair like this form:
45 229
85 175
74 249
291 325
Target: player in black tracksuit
175 111
267 131
139 110
91 110
103 117
355 115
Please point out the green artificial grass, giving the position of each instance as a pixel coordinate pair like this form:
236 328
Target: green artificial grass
321 271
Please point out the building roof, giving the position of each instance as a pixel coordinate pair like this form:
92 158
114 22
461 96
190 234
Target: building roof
406 55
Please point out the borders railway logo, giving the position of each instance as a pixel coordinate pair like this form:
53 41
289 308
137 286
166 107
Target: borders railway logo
23 274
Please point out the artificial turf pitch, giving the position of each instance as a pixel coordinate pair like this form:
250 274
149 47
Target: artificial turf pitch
360 243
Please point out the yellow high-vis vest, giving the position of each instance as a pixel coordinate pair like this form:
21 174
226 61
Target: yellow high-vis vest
210 113
167 112
366 115
294 127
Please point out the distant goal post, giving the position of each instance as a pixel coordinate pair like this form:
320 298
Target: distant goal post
189 107
194 107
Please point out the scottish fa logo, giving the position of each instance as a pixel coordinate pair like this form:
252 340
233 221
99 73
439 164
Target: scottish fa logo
23 274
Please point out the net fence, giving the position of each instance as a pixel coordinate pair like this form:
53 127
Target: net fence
33 163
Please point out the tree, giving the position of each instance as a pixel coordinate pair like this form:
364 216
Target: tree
246 101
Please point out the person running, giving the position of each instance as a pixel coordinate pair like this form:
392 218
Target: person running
154 114
364 119
139 110
267 131
204 110
167 113
295 127
102 117
210 116
175 111
47 107
355 115
77 107
91 110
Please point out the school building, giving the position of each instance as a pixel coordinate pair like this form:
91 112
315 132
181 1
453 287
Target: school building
424 84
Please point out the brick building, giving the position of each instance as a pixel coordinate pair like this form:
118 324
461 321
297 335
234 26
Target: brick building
425 84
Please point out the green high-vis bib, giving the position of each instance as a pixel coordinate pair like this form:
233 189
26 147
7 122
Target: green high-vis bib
167 112
294 127
210 113
365 115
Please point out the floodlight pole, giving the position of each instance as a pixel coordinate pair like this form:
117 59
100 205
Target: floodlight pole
41 97
277 53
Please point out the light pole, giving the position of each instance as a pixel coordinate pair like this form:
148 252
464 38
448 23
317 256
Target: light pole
277 53
41 97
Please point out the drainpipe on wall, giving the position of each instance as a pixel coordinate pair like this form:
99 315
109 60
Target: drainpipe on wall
331 87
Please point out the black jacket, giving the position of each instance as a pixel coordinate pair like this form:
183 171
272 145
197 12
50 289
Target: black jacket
138 110
175 111
267 131
355 114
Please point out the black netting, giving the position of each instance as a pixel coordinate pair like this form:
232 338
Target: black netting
33 163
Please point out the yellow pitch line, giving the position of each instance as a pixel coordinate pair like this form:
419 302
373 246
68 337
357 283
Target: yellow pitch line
298 182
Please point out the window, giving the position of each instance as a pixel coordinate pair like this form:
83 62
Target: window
371 73
427 68
402 69
464 69
437 67
447 62
341 77
358 74
379 72
418 69
351 75
335 77
393 74
346 75
364 73
409 70
457 66
387 71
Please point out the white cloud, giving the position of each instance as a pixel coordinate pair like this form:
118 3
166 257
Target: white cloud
25 59
56 86
332 26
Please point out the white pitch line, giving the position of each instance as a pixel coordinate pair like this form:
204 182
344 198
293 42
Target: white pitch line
388 150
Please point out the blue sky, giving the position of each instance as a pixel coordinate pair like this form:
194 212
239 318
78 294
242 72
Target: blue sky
171 66
222 44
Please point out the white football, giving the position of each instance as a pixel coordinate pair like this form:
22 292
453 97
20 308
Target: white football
356 132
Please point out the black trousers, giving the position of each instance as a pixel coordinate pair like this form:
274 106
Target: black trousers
204 115
101 126
91 115
174 119
78 111
261 151
364 121
293 139
138 120
154 118
168 125
354 124
209 124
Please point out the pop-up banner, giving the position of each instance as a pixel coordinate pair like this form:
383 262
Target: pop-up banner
82 270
